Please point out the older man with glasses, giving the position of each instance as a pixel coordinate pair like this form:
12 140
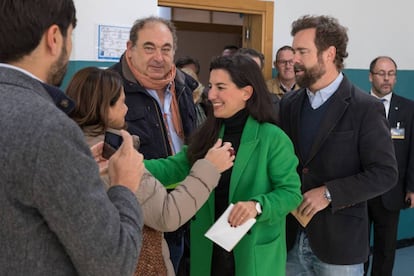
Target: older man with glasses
285 79
384 210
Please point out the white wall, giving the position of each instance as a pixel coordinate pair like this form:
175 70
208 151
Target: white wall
91 13
375 27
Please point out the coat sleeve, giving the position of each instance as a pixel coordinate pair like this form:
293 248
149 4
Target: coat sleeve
375 158
170 170
165 211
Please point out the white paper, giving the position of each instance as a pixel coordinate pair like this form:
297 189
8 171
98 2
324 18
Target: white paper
226 236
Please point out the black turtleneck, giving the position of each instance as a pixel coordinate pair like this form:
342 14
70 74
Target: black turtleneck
223 261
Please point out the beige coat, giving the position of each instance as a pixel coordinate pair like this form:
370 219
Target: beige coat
166 212
273 85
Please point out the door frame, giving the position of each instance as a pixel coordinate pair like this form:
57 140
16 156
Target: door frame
259 16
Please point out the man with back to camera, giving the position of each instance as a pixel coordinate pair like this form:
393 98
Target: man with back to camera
345 152
56 217
159 97
384 210
285 79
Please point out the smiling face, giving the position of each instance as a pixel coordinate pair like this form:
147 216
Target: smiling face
117 112
284 65
383 77
227 99
153 52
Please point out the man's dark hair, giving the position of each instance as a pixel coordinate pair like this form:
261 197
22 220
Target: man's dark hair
253 53
375 60
186 60
328 33
232 48
23 23
140 24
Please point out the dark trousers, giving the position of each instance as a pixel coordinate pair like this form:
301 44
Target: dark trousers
385 225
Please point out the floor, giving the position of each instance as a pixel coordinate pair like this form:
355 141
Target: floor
404 262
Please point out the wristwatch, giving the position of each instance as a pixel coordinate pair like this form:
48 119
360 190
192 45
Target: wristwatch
327 195
258 208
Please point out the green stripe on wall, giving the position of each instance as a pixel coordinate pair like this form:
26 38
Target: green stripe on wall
76 65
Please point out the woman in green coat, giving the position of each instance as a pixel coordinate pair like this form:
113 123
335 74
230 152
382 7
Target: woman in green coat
263 183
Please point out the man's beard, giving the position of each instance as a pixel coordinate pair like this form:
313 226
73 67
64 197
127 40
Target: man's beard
58 70
310 75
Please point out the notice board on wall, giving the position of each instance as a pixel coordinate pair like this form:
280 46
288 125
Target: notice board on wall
111 41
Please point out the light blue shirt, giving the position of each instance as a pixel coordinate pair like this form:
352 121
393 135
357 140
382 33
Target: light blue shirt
321 96
176 141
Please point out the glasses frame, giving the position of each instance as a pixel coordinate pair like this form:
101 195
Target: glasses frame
285 62
382 74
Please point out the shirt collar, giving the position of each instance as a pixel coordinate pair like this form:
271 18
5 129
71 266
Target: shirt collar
387 97
321 96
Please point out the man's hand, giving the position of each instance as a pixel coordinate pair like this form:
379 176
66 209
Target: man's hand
126 166
409 197
220 155
313 201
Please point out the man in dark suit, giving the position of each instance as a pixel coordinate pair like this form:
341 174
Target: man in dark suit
384 210
345 152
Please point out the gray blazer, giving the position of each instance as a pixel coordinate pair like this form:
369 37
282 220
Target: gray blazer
56 218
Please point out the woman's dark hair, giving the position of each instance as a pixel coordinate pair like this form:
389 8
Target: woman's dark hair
23 24
243 71
94 90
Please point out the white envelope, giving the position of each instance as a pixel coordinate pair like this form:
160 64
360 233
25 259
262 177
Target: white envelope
226 236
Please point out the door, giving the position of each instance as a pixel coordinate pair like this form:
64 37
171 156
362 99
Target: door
257 24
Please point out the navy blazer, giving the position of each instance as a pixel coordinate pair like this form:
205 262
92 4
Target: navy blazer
402 113
353 156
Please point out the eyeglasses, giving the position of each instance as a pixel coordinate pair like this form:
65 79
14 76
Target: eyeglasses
285 62
382 74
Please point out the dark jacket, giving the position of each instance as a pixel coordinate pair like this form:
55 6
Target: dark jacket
402 112
352 155
144 117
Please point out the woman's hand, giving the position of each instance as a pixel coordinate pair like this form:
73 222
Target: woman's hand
221 155
241 212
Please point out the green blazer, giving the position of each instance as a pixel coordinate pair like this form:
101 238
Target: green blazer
264 171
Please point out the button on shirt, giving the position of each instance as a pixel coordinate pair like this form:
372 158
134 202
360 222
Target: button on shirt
321 96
